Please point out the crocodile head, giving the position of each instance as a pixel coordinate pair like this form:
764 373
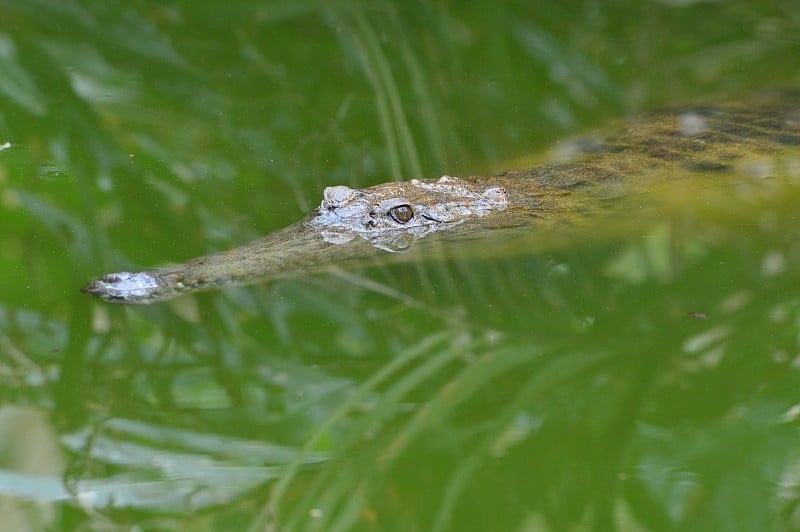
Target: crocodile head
392 215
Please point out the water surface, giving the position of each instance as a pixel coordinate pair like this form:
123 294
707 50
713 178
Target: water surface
641 374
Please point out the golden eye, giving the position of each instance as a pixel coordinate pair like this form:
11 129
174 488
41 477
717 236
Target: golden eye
401 213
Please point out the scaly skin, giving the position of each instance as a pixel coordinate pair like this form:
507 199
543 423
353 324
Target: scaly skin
377 214
353 225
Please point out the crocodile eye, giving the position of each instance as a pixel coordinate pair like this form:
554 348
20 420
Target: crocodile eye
401 213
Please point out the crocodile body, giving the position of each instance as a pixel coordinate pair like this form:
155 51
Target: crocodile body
352 225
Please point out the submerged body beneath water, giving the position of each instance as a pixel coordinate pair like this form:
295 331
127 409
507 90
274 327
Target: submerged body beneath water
758 138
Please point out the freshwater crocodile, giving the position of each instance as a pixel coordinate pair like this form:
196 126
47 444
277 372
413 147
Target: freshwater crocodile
352 225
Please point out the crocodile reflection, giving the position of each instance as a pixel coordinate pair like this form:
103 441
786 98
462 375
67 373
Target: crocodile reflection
354 226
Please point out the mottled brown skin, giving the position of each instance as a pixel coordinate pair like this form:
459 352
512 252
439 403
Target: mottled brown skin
662 143
677 144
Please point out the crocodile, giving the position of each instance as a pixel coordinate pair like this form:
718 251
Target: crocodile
356 225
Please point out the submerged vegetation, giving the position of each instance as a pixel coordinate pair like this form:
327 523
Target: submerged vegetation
644 377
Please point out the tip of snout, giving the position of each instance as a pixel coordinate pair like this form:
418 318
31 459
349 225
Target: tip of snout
123 287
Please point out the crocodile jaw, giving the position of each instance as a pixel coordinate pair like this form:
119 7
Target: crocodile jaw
347 213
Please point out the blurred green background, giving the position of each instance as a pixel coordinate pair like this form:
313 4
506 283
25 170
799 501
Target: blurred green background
565 389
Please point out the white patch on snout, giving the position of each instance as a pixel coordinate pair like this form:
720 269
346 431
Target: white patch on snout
128 285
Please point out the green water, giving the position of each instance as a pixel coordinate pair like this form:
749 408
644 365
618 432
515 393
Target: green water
645 379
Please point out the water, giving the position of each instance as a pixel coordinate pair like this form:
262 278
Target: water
641 376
